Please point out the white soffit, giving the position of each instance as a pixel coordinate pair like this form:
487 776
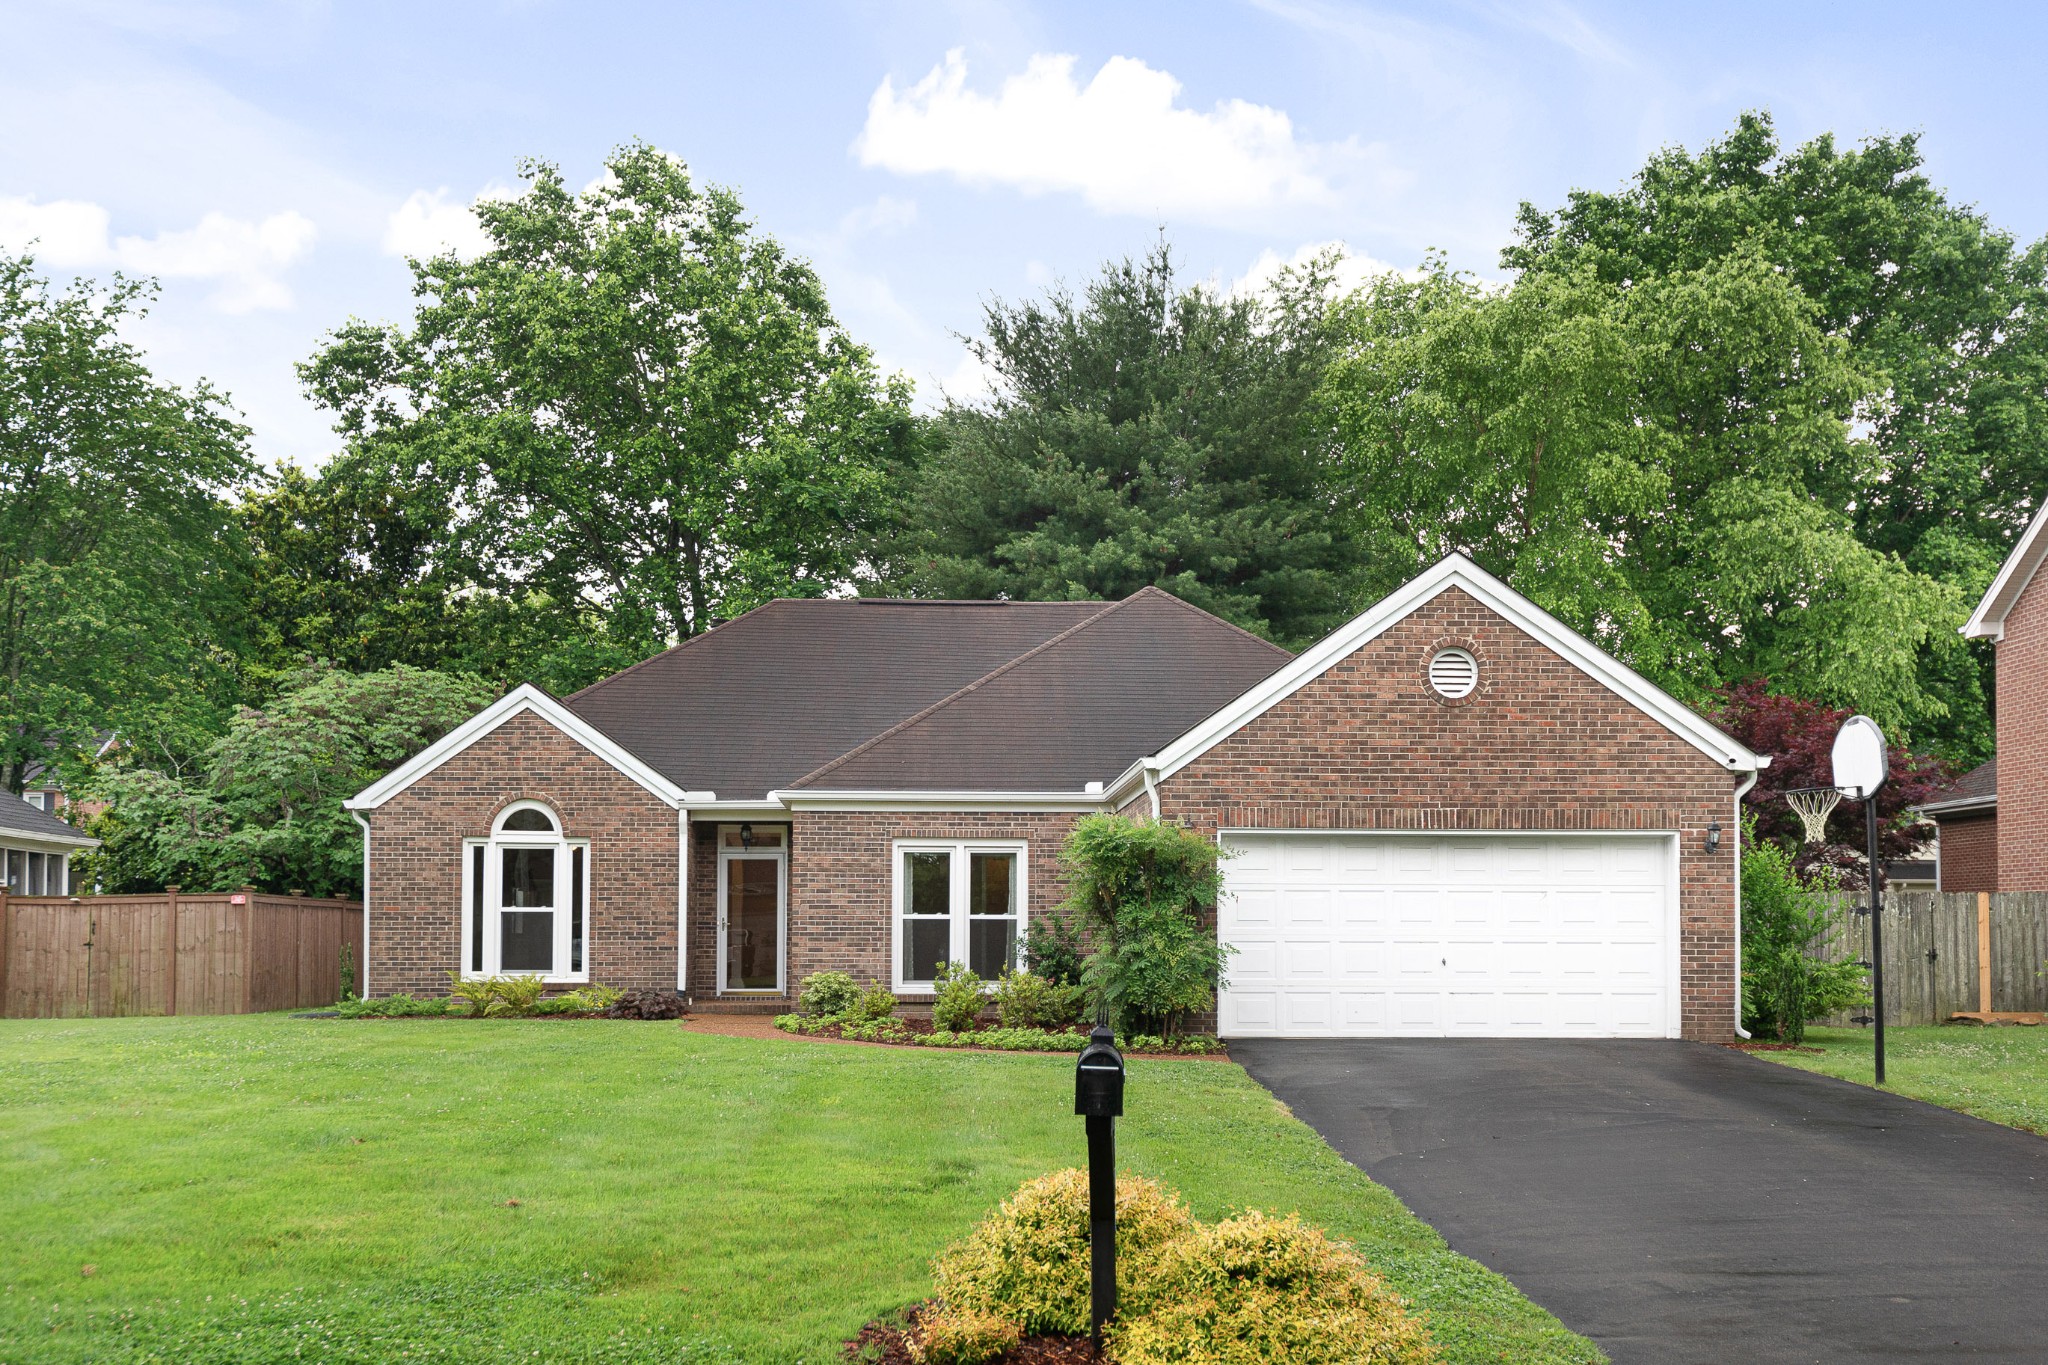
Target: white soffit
1452 571
1988 621
520 701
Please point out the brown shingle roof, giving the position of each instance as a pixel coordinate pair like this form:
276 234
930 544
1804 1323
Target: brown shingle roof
1081 707
1980 781
768 697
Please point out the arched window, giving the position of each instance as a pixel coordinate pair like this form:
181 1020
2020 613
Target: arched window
525 893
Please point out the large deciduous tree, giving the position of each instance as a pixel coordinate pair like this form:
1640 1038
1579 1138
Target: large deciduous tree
1943 318
1141 433
115 566
1666 465
636 399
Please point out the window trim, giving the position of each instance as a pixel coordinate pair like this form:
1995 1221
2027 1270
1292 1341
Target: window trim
480 899
960 896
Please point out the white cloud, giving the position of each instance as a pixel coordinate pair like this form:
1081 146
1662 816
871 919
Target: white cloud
428 223
247 258
1122 141
1353 271
886 215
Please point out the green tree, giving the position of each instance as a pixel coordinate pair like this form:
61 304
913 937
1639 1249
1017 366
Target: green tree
265 809
638 401
1944 318
1664 466
357 566
1143 433
1146 890
116 566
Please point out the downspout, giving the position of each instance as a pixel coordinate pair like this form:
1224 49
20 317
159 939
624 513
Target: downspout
682 899
363 972
1149 769
1740 792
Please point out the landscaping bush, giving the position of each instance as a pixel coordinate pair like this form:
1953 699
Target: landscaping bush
391 1007
891 1030
873 1004
1146 890
1028 1261
1784 917
516 995
348 972
1266 1289
962 996
962 1337
825 995
591 999
1028 1000
1056 949
647 1004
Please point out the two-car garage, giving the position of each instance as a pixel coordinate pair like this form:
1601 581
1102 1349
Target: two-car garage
1428 934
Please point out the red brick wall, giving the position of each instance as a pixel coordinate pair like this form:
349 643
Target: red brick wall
2023 743
1540 746
841 894
416 858
1969 853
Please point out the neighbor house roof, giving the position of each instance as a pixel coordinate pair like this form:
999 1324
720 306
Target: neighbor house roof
18 817
1077 709
777 693
1988 621
1976 789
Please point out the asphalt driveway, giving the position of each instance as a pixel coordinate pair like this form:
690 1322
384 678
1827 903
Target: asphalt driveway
1684 1203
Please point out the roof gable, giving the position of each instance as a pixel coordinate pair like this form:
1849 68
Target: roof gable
520 701
1453 571
1074 710
1988 621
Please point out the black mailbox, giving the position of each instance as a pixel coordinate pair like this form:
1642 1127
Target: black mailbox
1099 1078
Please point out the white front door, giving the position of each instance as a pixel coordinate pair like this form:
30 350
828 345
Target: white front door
752 899
1426 935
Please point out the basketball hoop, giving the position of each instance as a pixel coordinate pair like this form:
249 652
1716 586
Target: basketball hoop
1811 805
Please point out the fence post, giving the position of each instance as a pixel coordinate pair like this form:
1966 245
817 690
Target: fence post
171 994
1984 952
6 947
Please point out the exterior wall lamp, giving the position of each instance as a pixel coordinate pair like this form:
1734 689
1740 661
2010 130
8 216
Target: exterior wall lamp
747 835
1714 837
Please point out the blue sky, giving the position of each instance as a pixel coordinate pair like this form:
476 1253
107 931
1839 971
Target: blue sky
271 162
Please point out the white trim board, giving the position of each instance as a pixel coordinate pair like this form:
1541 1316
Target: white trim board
1987 622
1452 571
522 700
806 799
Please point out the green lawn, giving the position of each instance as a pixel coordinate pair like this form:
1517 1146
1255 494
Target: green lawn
1999 1074
264 1188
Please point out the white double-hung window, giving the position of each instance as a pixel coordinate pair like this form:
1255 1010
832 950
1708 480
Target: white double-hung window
526 898
957 900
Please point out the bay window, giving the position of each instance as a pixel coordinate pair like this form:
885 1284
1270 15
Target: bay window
957 901
524 896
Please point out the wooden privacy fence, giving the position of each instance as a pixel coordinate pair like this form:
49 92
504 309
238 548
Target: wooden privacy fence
229 953
1936 958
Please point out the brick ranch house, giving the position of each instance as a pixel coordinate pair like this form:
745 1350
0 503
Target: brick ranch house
1994 819
1451 816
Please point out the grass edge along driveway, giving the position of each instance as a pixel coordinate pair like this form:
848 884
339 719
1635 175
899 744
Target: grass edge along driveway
1999 1074
268 1188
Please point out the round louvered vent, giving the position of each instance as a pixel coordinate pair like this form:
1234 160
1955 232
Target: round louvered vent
1453 673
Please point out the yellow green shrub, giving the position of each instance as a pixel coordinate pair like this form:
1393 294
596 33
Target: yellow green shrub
962 1336
1260 1290
1028 1262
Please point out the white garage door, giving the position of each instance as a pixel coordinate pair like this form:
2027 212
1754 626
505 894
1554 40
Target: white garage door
1363 936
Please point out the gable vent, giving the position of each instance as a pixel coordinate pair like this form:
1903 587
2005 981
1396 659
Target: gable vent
1453 673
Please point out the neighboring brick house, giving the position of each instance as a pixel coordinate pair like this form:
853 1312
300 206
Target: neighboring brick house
1452 815
1994 819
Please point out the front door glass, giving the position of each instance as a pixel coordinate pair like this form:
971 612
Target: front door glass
753 937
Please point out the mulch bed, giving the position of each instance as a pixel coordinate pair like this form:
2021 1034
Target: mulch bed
920 1025
1771 1047
886 1341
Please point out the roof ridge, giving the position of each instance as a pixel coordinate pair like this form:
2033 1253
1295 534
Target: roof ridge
908 721
1186 605
675 648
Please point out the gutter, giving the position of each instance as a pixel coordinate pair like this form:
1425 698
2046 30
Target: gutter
1960 805
1740 792
363 970
1151 773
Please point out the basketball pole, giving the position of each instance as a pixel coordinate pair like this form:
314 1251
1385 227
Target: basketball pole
1876 928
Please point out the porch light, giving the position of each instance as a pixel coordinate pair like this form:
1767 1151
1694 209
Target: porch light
747 835
1714 837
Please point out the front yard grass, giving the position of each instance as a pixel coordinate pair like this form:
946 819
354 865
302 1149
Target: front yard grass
1999 1074
263 1188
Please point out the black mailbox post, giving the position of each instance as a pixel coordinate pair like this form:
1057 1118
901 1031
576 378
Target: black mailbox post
1099 1099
